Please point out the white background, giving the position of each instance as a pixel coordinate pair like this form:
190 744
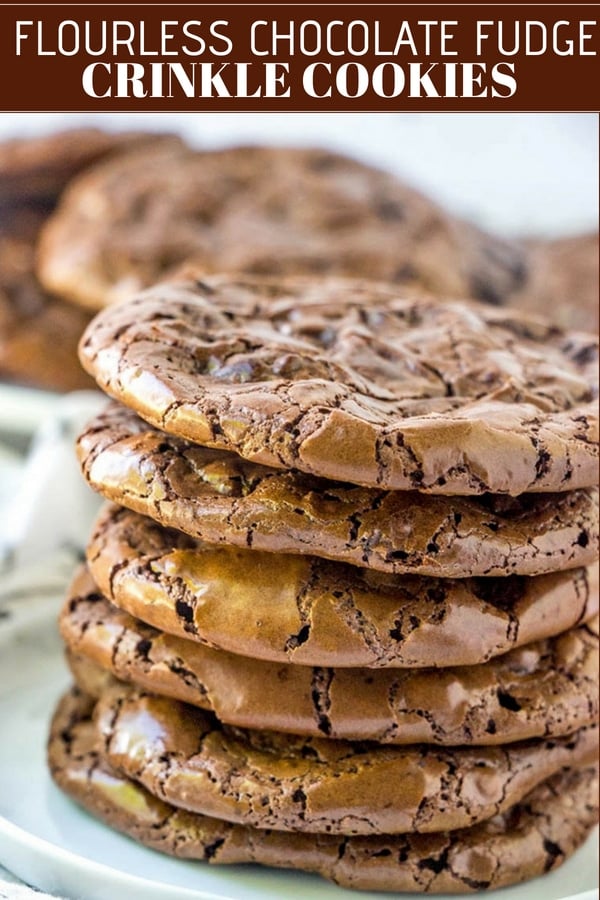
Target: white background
518 174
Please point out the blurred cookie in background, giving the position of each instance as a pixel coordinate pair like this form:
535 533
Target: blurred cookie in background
37 168
39 331
562 281
262 210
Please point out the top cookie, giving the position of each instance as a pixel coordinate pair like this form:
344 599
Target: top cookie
348 380
264 210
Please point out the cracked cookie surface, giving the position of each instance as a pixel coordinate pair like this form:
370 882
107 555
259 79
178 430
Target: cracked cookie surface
544 689
529 839
304 609
264 210
291 783
349 380
220 498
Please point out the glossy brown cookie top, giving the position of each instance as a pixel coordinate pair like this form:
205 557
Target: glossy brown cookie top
541 690
350 380
307 610
221 498
263 210
272 780
527 840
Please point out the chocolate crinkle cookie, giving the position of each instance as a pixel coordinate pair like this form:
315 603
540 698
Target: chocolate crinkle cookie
220 498
352 381
304 609
263 210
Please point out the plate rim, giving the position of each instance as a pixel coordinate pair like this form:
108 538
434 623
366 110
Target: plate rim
15 833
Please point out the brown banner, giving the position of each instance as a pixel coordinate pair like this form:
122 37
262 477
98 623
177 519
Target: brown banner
299 57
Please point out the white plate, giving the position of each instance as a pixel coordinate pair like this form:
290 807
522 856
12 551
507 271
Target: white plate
51 843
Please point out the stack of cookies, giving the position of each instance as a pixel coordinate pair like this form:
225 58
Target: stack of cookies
339 613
